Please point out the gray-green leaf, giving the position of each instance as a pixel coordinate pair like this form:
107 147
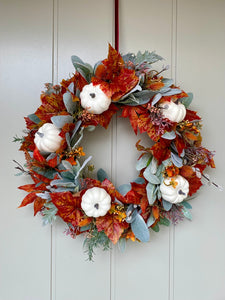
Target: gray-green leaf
140 229
102 175
169 135
155 228
143 161
167 205
150 188
186 101
60 121
34 118
124 189
187 213
69 103
151 220
177 161
151 177
164 221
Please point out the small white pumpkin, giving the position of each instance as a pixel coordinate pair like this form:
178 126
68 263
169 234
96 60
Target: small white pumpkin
93 99
47 138
172 111
174 189
96 202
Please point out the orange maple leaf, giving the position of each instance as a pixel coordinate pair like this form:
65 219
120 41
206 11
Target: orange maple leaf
28 142
161 150
69 207
194 181
78 80
138 195
114 78
101 119
112 227
191 115
33 198
52 105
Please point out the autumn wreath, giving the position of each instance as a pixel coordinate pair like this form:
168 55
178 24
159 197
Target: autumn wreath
170 171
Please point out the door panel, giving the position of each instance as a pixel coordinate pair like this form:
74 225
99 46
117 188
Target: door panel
25 64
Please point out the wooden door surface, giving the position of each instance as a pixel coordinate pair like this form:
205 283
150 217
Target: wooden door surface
37 39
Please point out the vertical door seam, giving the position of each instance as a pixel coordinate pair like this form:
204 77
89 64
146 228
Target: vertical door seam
174 76
55 13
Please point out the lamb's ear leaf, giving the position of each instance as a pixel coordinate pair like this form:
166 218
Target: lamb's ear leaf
60 121
186 204
151 177
143 162
186 213
186 101
124 189
177 161
150 188
166 205
34 118
84 69
151 220
140 229
122 244
69 103
169 135
102 175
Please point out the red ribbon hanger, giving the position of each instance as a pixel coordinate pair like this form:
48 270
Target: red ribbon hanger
117 25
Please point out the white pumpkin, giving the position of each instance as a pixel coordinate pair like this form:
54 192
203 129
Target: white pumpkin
96 202
172 111
93 99
174 189
47 138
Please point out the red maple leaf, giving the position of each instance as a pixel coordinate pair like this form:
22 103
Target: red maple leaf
40 161
114 78
32 197
52 105
31 125
33 187
194 181
69 207
133 197
138 195
112 227
110 188
161 150
152 132
138 116
194 184
38 205
37 155
28 142
180 144
28 199
191 115
102 119
78 80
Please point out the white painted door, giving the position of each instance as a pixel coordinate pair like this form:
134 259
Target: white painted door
37 39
